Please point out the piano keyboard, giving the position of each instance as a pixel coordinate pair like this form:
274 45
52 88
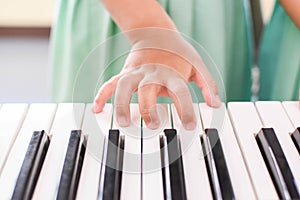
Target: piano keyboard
64 151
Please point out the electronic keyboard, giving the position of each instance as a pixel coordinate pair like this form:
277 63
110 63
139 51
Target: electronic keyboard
65 151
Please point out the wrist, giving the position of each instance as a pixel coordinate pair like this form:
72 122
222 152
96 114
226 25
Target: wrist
131 15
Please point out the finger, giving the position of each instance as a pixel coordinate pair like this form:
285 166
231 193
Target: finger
125 87
181 96
104 93
208 87
147 94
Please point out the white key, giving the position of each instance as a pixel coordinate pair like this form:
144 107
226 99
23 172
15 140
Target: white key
196 177
39 117
68 117
293 111
219 119
246 123
11 119
152 174
131 175
274 116
96 127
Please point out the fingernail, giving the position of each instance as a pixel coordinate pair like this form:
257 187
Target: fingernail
190 126
123 121
216 101
154 125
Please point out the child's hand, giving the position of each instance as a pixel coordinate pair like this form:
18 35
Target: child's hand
159 67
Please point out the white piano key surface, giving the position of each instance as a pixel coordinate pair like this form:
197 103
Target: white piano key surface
131 185
151 160
292 109
196 177
246 123
248 173
273 115
219 119
68 117
11 119
39 117
96 127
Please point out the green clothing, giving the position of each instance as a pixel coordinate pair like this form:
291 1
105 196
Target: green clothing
83 27
279 60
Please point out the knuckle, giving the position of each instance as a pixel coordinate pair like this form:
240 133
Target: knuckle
147 87
109 84
181 90
112 81
146 118
120 106
124 79
145 111
100 94
188 117
121 110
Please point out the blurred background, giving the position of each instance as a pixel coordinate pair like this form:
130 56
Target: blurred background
24 48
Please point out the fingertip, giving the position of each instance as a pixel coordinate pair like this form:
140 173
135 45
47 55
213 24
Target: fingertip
212 100
123 121
97 108
151 120
189 121
216 101
190 125
98 104
209 90
154 124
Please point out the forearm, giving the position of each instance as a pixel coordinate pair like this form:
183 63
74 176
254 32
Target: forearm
137 14
292 7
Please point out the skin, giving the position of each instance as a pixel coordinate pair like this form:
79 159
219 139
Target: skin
145 64
292 7
161 63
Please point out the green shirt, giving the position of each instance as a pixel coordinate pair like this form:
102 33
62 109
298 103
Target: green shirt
279 60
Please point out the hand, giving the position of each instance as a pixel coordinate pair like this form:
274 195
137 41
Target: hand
159 65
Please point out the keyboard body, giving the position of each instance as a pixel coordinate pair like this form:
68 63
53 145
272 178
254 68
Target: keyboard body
242 150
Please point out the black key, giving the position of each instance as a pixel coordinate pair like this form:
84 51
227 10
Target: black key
296 138
112 183
177 183
271 164
216 165
31 166
79 165
277 164
72 167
